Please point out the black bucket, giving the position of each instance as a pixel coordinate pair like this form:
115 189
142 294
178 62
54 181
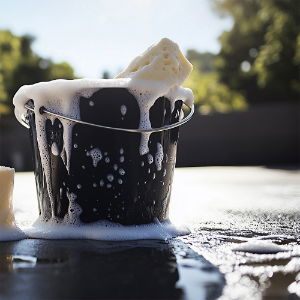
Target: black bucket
119 185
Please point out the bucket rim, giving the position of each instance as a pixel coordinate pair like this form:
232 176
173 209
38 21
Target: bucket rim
43 110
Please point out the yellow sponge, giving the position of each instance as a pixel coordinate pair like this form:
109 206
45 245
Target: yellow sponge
162 62
6 193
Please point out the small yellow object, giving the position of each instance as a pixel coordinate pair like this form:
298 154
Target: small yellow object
6 194
163 62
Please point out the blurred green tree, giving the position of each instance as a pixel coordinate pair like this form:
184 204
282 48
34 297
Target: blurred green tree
205 61
106 75
210 94
260 55
19 65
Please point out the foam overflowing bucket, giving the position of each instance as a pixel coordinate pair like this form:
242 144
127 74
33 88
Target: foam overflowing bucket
100 162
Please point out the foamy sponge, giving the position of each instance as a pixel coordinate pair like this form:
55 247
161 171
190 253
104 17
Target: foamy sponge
162 62
6 194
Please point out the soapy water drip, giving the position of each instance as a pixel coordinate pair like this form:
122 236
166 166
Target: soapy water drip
159 156
54 149
150 159
123 110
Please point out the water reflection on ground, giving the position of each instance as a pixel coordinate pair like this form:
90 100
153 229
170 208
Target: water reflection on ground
105 270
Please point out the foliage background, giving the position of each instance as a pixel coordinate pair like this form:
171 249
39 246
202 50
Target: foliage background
19 65
259 61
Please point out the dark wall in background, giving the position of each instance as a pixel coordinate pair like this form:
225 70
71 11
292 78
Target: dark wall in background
262 135
15 147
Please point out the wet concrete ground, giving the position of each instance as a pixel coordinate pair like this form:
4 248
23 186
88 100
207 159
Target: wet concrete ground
235 205
225 207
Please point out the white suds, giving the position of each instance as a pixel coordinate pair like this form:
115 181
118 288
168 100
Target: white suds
121 171
96 156
146 99
74 211
54 149
159 156
123 110
150 159
110 177
104 230
11 234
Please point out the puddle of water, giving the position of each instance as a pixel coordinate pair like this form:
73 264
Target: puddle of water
194 272
262 267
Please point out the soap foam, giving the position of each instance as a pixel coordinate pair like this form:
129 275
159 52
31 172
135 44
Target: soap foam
11 234
259 247
96 156
104 230
159 156
146 98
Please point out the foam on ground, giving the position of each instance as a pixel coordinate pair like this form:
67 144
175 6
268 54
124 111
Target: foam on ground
11 234
104 230
260 247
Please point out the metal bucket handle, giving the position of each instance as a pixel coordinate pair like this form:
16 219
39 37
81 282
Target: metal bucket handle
166 127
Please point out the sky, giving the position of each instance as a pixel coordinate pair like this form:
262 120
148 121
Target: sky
98 35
